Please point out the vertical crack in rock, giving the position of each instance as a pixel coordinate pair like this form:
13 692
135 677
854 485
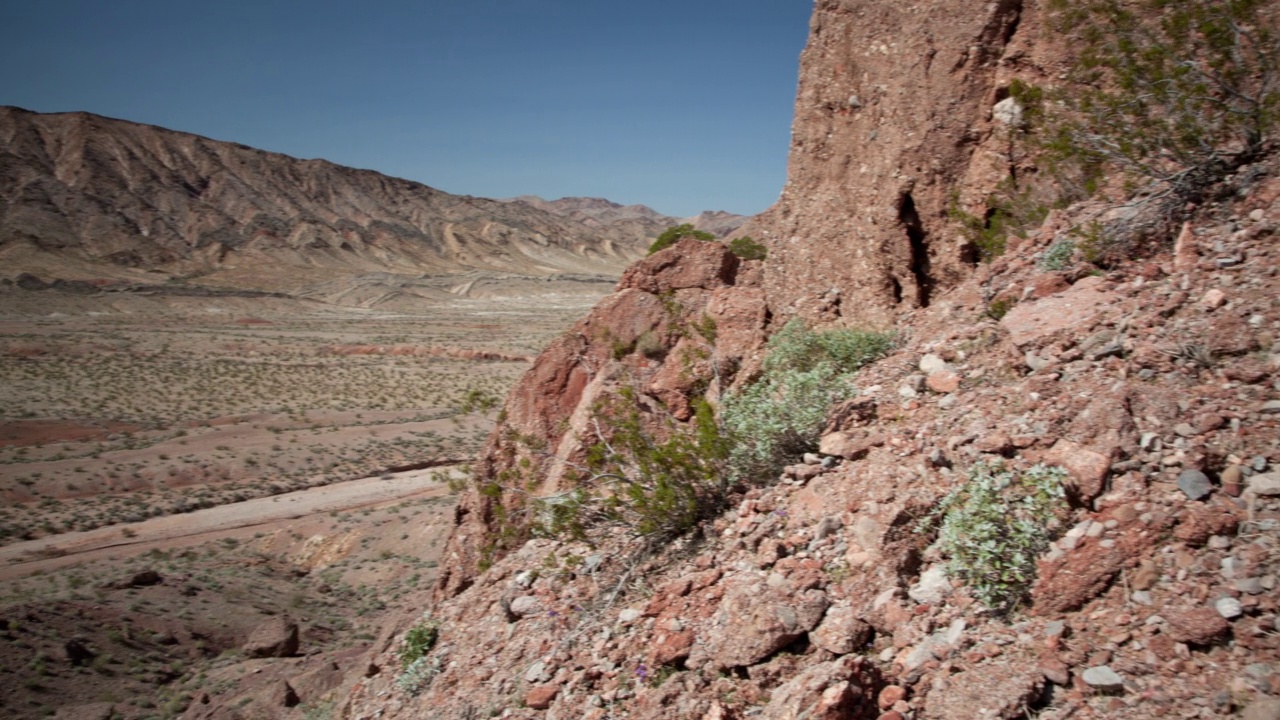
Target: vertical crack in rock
916 235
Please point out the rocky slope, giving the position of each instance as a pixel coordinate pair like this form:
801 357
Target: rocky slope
1152 383
88 198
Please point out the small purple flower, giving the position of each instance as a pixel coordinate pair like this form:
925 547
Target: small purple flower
552 613
780 513
642 672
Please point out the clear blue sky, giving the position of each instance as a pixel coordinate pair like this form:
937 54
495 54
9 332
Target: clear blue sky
680 105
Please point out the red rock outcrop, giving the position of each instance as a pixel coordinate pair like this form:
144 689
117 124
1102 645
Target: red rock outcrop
645 335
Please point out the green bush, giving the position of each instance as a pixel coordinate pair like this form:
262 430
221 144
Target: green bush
775 420
658 482
747 248
1058 256
992 529
419 641
675 233
417 668
796 347
1180 93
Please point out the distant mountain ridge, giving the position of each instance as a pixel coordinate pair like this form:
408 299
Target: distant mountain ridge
598 211
85 197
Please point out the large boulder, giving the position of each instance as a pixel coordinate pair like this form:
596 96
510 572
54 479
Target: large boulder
276 637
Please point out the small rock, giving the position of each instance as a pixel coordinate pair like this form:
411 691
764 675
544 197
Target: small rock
1262 709
629 615
1103 678
540 698
1250 586
525 605
1055 671
1213 299
944 381
1265 485
1270 407
1232 477
930 364
1185 251
1184 429
1035 362
1194 484
890 696
933 587
1229 608
1198 626
537 672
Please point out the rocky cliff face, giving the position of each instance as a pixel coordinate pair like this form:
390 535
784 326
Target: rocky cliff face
893 125
106 197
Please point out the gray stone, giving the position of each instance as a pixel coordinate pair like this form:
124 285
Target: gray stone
1035 362
1250 586
1229 608
525 605
1265 485
1103 678
827 526
1184 429
1195 484
537 673
629 615
1270 407
1262 709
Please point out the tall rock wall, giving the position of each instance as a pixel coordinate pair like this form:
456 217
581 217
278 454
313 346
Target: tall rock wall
893 126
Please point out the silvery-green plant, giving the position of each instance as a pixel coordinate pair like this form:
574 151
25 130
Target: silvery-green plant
992 528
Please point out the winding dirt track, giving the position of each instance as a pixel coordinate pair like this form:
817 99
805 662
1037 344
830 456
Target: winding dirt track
195 528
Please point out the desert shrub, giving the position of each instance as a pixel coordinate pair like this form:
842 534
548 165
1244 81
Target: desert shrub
1012 209
998 308
650 345
1058 256
747 248
675 233
992 528
1179 93
796 347
1165 100
656 481
419 641
775 420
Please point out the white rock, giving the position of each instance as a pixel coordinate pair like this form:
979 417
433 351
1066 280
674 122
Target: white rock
1229 608
1008 111
629 615
933 587
930 364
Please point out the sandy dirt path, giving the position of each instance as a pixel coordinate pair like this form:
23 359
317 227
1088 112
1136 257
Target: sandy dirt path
194 528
